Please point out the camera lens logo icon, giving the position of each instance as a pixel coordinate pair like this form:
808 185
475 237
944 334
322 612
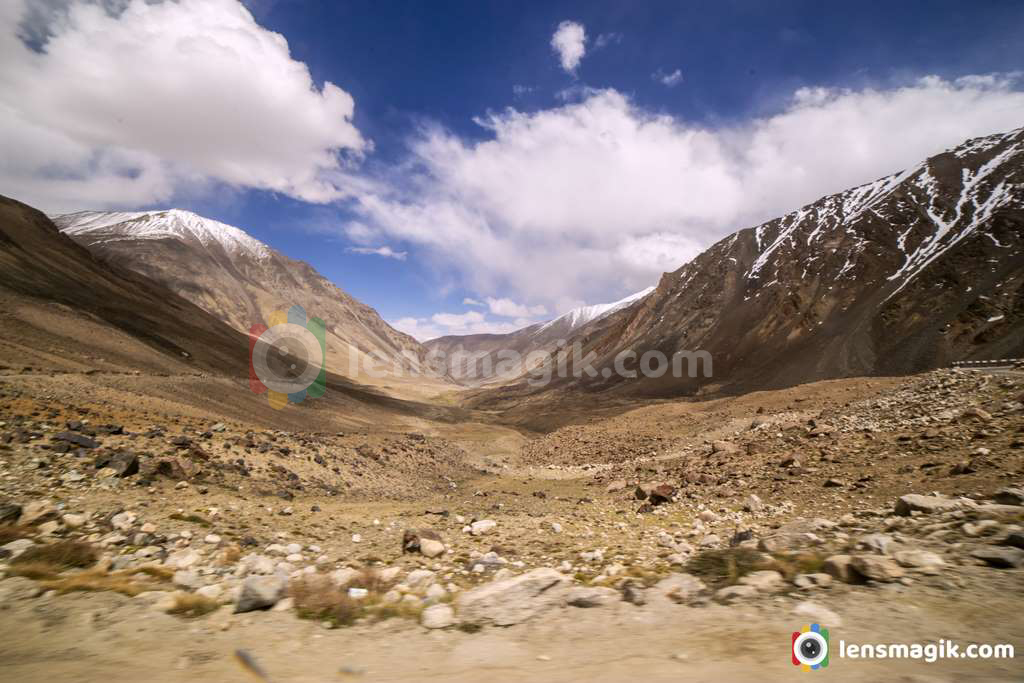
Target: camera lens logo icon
810 647
287 359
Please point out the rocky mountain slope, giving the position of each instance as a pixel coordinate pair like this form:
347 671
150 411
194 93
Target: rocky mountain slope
911 271
473 359
72 324
241 280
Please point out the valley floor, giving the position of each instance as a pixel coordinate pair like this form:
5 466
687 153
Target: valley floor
676 541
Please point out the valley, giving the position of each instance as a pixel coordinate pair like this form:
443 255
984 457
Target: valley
832 469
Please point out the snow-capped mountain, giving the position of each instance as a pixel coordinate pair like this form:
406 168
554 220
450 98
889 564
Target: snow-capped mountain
176 224
911 271
473 359
237 278
578 317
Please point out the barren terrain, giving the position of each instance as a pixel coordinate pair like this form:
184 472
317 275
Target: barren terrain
677 540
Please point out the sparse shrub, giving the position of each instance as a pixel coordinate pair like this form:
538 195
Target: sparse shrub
12 532
316 597
61 555
190 517
33 570
192 605
724 567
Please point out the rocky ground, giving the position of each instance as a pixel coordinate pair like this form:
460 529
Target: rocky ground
676 541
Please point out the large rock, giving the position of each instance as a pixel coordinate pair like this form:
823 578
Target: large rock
765 581
259 592
431 548
424 541
840 567
9 513
877 568
922 560
1004 557
437 616
1009 496
482 527
792 536
731 594
592 596
38 511
513 601
77 439
678 588
123 463
929 505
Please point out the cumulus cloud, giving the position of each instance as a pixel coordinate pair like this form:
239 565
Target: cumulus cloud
605 39
470 301
443 324
569 43
510 309
126 102
669 80
593 199
385 251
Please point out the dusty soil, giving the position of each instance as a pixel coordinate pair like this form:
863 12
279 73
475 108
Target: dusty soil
841 450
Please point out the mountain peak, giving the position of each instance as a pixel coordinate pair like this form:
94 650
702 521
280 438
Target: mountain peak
180 224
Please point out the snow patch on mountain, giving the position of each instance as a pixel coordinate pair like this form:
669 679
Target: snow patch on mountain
114 226
578 317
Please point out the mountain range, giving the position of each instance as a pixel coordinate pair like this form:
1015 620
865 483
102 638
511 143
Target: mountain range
240 280
909 272
912 271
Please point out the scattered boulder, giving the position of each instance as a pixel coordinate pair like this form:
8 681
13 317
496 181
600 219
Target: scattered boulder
438 616
513 601
877 568
1009 496
9 513
840 568
592 596
482 527
731 594
76 439
1000 557
765 581
123 463
922 560
38 511
412 541
678 588
259 592
929 505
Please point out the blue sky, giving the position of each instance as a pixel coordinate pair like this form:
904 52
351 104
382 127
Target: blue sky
711 116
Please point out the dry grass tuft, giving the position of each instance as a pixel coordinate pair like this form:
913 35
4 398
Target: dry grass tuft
33 570
192 605
129 582
724 567
13 532
60 556
317 597
190 517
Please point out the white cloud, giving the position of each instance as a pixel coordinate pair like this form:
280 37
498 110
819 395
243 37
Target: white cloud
606 39
385 251
510 309
669 80
130 102
443 324
470 301
521 90
569 42
593 199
